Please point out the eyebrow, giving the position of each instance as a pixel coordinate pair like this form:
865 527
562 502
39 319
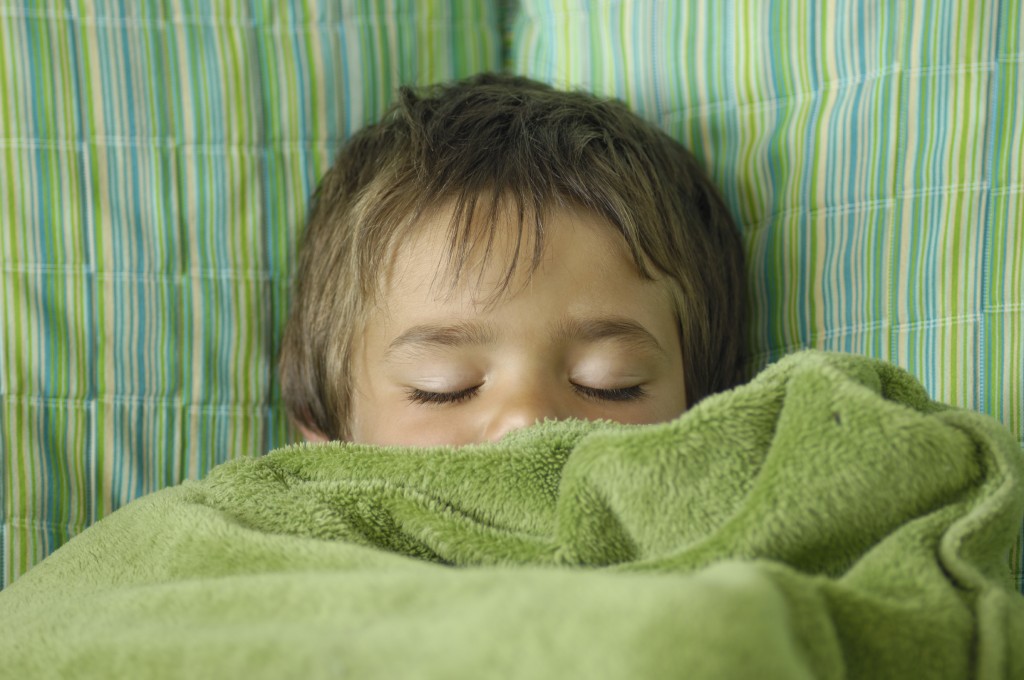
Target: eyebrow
428 335
620 328
469 333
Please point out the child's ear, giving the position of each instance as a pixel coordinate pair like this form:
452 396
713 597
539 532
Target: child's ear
312 435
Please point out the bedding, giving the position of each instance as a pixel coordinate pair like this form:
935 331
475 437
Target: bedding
825 520
156 159
870 151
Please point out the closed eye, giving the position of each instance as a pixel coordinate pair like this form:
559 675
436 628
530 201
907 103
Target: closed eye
418 396
634 393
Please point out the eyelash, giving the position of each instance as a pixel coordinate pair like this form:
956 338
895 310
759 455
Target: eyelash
616 394
419 396
634 393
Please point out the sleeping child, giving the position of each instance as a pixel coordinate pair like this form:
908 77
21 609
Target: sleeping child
495 252
491 254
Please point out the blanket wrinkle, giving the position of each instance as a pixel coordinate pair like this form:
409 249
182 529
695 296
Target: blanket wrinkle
825 520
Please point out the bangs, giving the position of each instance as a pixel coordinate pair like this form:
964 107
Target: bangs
483 231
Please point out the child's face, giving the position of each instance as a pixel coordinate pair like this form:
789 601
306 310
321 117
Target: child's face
584 336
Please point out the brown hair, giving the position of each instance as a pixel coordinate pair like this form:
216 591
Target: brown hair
492 143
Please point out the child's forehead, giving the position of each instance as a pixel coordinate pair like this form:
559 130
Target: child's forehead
496 252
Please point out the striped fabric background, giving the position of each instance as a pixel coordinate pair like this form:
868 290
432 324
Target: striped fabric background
873 152
156 159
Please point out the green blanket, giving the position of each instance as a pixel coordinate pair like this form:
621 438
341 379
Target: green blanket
826 520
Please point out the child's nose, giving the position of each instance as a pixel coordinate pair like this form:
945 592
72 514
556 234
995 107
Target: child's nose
522 408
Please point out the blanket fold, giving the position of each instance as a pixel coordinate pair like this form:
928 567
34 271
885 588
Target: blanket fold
826 520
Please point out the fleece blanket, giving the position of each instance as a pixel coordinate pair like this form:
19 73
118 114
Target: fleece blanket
826 520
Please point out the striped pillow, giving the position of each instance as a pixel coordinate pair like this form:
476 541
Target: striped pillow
872 153
155 164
